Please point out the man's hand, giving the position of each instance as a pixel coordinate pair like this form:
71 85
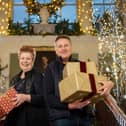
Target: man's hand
106 87
78 104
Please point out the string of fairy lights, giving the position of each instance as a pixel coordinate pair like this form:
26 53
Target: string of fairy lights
112 48
5 13
85 15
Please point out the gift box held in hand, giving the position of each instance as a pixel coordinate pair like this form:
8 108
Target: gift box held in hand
86 67
80 81
79 86
5 102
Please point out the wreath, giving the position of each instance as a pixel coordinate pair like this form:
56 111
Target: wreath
33 6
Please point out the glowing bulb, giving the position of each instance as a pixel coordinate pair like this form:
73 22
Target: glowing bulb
3 3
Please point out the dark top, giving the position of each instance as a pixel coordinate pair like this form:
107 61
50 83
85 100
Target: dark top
57 109
29 114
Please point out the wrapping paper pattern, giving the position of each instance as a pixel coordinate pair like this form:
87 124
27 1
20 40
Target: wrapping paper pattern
5 102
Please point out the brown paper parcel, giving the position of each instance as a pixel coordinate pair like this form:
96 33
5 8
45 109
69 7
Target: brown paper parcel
86 67
78 86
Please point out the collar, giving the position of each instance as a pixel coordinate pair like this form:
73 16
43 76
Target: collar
59 59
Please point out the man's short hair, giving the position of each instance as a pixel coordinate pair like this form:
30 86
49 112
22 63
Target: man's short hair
62 37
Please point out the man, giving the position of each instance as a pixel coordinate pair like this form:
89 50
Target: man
44 64
63 114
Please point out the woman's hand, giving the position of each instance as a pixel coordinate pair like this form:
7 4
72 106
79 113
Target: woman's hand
78 104
106 87
20 99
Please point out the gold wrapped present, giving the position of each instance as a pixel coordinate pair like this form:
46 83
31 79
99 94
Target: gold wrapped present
5 102
79 86
86 67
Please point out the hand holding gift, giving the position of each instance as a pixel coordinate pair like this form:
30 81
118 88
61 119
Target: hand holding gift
20 99
106 87
6 105
78 104
82 83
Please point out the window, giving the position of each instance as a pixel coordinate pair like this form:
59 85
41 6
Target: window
44 1
99 7
20 13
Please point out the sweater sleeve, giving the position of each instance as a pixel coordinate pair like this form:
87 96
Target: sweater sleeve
52 99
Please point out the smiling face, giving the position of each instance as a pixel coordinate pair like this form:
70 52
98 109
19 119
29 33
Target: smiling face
63 48
26 61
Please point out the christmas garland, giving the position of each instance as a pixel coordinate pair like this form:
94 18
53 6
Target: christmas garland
33 6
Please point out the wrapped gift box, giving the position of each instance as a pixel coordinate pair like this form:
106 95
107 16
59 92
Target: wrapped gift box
5 102
79 86
86 67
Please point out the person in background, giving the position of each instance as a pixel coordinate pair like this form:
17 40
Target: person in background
44 64
30 107
77 113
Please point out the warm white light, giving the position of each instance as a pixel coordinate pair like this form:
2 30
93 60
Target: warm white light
84 15
5 9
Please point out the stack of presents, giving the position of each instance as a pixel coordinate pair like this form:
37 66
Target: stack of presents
80 82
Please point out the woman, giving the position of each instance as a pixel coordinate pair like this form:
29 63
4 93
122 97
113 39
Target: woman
30 107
